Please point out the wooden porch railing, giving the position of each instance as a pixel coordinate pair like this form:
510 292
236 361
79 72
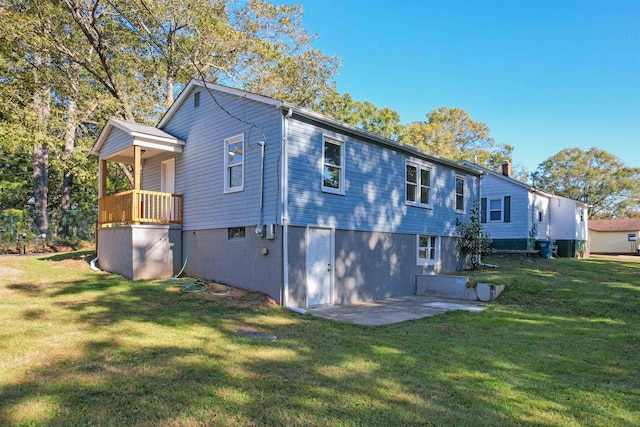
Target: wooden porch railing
140 206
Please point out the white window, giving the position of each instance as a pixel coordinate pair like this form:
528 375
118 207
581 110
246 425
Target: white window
459 194
428 249
333 166
495 210
234 164
418 184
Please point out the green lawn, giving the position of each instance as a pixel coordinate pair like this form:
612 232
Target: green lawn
560 347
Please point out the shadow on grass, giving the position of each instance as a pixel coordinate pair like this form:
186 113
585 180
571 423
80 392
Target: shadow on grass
86 255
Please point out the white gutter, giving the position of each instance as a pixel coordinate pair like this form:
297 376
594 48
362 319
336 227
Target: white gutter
285 208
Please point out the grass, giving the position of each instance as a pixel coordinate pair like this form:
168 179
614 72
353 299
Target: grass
560 347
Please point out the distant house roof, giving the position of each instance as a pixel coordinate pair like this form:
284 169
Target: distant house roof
625 224
506 178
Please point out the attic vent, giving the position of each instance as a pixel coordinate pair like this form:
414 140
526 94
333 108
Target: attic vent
196 99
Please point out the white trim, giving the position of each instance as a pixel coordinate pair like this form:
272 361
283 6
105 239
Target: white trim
417 193
436 249
464 195
489 209
227 184
341 184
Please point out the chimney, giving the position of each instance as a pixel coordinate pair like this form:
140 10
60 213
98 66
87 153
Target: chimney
506 168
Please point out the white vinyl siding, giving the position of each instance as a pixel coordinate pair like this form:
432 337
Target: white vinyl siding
418 184
333 166
428 249
234 164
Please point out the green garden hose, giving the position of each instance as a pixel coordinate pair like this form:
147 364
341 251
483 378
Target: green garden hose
190 285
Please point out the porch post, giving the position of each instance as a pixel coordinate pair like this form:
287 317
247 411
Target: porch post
102 177
137 167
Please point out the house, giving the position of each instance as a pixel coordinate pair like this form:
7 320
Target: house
614 236
265 195
517 215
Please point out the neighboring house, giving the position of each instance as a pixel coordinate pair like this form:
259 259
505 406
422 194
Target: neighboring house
614 236
517 215
269 196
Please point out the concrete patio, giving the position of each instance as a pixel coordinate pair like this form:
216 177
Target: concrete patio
393 310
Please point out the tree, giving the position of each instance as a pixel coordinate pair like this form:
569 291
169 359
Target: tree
451 133
595 177
471 238
68 65
365 115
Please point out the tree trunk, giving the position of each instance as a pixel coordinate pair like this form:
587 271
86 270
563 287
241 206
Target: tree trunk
40 160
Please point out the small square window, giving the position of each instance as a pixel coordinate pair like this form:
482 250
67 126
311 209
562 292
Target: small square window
428 249
632 237
236 233
495 210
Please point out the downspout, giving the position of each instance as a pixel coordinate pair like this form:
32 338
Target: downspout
261 144
285 209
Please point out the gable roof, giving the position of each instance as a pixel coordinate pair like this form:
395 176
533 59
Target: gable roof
134 130
312 115
625 224
507 179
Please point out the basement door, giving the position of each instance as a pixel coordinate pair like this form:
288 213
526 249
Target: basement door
319 267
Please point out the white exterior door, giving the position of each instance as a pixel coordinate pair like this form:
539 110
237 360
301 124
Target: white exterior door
319 267
167 176
167 185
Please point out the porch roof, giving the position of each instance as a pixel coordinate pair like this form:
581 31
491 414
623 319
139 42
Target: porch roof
151 139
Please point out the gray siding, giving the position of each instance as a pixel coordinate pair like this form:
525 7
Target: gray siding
368 265
519 226
117 140
200 168
151 172
375 187
237 262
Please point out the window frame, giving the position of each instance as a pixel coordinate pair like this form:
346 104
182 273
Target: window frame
326 139
632 237
227 166
489 210
235 233
459 178
196 99
418 184
435 248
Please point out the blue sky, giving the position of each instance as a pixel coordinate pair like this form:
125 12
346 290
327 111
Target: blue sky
544 75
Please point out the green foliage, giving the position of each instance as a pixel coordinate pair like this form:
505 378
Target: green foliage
451 133
365 115
595 177
471 238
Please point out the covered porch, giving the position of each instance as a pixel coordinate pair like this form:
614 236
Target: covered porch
139 230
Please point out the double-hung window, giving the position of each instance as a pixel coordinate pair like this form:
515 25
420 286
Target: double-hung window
459 194
333 166
495 210
418 184
234 164
428 249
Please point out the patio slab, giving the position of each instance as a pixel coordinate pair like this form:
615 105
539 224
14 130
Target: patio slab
392 310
